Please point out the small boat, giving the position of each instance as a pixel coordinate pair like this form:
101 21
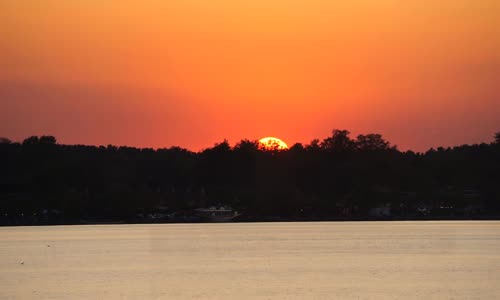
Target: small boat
217 214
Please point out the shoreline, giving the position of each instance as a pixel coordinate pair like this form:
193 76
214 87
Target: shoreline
260 220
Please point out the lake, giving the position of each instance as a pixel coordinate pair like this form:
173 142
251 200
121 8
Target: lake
316 260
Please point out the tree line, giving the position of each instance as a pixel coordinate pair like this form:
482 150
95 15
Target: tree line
338 177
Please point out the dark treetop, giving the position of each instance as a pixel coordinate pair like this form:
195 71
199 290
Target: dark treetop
337 178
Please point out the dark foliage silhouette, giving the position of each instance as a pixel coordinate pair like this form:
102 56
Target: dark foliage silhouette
5 140
337 178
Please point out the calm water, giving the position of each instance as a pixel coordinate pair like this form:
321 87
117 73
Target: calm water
363 260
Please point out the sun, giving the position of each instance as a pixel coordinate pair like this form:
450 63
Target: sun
272 143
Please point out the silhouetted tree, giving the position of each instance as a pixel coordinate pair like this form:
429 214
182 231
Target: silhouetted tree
247 146
222 147
32 140
297 147
47 140
339 141
5 140
313 146
371 142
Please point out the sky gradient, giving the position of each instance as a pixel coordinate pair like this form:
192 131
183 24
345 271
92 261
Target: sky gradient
153 73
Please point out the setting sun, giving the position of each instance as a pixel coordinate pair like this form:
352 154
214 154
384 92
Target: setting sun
272 143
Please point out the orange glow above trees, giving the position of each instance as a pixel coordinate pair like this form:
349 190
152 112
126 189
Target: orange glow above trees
160 73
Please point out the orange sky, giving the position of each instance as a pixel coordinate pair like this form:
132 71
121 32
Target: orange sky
157 73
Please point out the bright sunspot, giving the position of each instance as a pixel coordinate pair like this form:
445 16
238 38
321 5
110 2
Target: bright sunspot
272 143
